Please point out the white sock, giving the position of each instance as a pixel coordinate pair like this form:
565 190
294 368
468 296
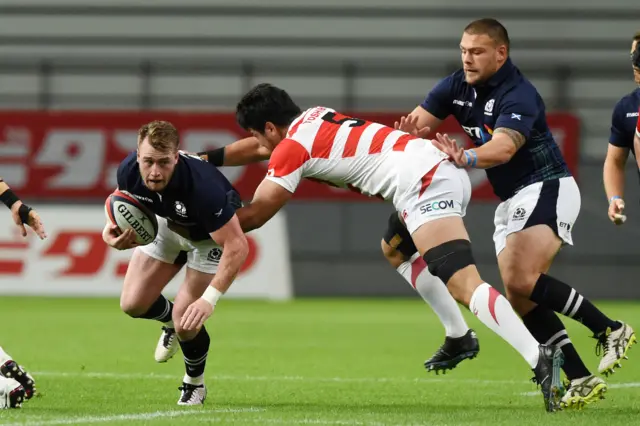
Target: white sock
495 311
196 381
435 293
4 357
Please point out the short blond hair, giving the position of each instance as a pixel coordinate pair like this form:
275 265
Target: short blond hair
162 135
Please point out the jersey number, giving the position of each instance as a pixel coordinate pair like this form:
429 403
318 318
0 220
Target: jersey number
340 119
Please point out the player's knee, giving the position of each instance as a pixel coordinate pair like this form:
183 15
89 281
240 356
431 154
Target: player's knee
448 258
517 282
133 308
183 335
397 244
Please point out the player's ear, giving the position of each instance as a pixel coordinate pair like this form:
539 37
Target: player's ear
502 52
269 129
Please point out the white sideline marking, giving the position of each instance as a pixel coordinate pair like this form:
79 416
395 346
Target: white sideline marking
337 422
121 417
611 386
141 376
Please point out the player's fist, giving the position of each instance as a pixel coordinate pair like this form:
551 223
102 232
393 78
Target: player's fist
196 314
616 211
409 124
119 241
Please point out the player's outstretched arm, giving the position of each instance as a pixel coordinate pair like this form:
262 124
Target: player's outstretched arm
636 142
613 177
499 150
239 153
419 123
20 212
269 198
235 250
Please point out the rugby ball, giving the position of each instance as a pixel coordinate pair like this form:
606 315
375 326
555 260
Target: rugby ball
124 211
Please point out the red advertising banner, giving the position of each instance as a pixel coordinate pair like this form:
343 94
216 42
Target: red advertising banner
75 155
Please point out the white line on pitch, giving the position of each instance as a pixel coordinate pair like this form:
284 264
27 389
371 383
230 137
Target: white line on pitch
337 422
123 417
153 376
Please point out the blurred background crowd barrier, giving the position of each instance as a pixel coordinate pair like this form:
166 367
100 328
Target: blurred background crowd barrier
78 78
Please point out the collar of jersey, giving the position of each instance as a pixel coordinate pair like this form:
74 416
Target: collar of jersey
505 71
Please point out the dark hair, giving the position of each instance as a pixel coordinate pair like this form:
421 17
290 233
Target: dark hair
636 36
491 27
266 103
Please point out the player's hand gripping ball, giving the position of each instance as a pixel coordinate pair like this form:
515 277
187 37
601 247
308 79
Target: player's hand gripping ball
125 212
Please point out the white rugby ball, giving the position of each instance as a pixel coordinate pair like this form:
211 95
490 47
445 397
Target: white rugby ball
124 211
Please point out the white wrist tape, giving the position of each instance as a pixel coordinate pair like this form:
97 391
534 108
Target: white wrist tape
212 295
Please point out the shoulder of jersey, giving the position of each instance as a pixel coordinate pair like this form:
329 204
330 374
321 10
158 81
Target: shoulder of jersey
190 166
456 78
632 98
131 157
130 162
306 122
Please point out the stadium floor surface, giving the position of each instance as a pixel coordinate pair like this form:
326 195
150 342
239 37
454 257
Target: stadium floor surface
307 362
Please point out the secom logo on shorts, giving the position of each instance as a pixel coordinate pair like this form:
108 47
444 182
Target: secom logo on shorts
437 205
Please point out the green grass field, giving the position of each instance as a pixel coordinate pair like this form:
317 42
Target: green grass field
309 362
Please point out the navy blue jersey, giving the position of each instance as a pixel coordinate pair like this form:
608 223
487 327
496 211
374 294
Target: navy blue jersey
624 119
508 100
194 202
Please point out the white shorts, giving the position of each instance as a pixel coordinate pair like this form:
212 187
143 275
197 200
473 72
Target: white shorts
444 191
170 247
554 202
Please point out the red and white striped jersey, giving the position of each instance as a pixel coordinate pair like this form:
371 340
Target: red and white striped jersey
638 125
376 160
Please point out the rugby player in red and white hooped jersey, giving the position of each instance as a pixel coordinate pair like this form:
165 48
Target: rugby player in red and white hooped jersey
427 190
16 384
414 270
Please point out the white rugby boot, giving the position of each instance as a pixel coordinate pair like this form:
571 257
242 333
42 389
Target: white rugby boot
614 345
12 394
12 370
168 344
192 394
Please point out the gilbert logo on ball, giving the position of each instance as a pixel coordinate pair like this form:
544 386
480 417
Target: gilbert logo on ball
126 212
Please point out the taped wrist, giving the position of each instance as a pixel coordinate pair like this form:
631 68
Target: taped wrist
23 213
212 295
215 157
9 198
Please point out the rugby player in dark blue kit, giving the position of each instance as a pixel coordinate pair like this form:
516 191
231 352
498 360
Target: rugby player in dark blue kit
197 226
623 125
16 385
504 116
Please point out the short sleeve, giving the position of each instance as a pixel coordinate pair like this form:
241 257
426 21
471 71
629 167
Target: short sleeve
439 100
518 110
286 164
618 137
214 207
